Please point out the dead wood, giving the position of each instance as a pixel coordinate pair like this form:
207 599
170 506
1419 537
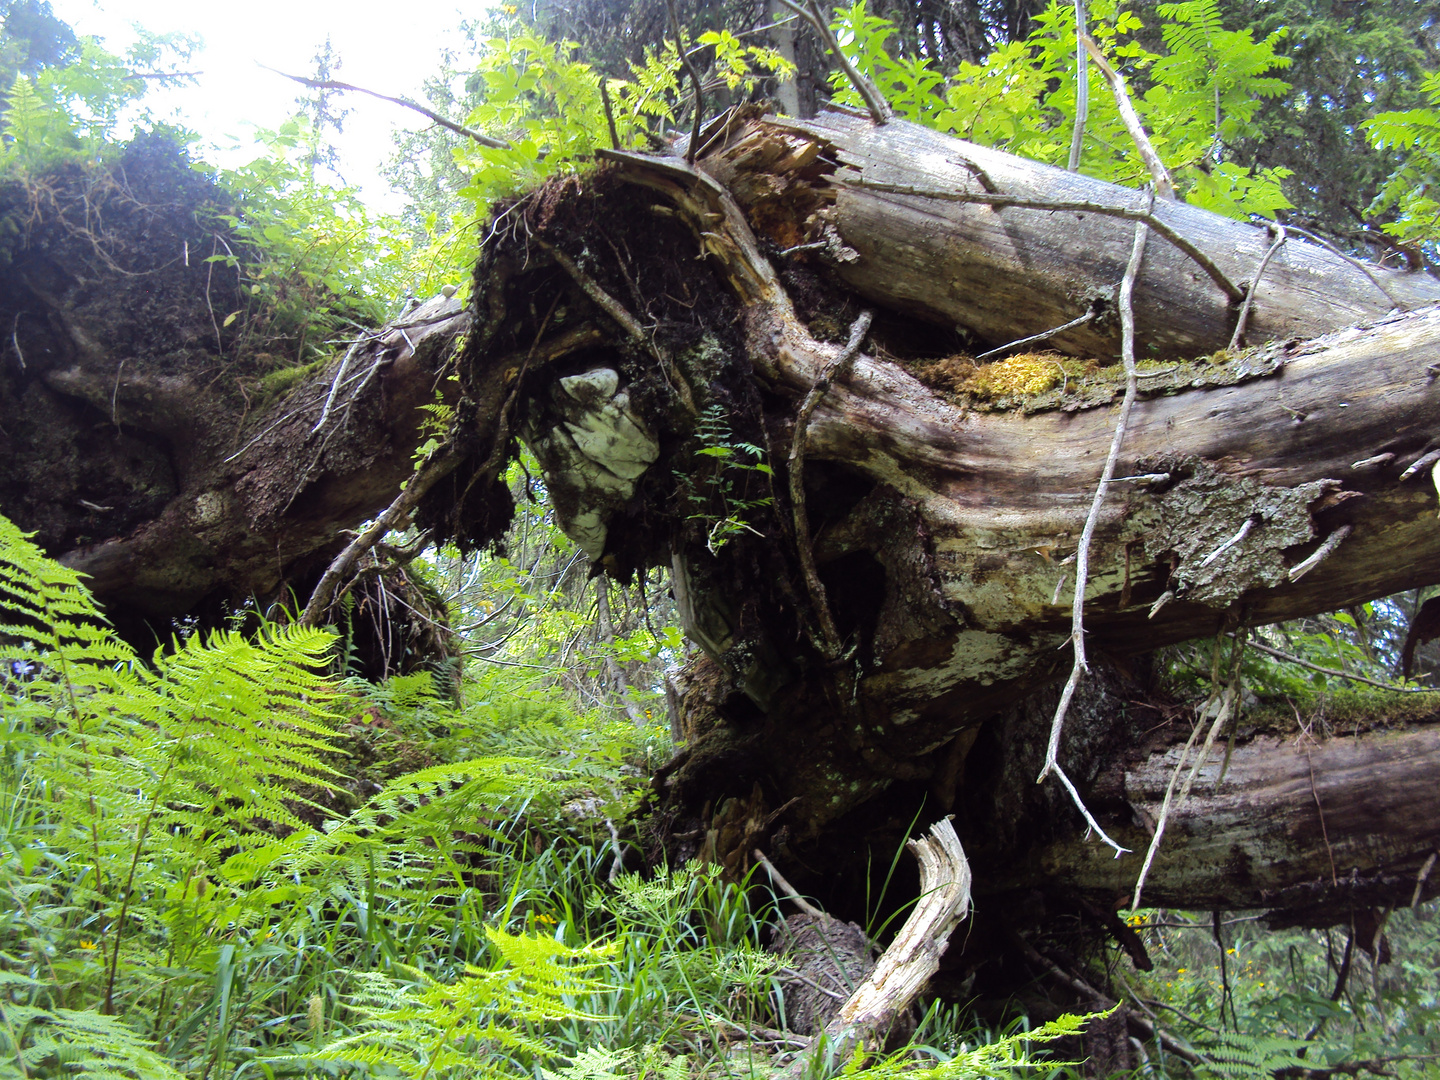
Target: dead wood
913 957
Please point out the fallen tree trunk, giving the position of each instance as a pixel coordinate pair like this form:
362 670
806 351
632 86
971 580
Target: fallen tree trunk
651 330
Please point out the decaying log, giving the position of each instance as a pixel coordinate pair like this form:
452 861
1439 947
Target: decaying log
263 501
1298 824
1001 274
636 312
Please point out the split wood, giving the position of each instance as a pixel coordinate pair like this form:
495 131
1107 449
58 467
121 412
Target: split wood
912 958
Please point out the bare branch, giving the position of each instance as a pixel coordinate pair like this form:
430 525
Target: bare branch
1082 89
1044 335
1159 175
1250 292
1082 555
406 103
431 473
698 119
874 101
1336 673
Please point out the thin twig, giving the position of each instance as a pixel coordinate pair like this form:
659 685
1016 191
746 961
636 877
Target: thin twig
1323 552
874 100
15 339
1082 554
1044 335
836 368
1228 703
694 85
1228 544
335 383
1255 284
1159 175
1082 89
459 129
1228 287
1358 264
789 890
1278 655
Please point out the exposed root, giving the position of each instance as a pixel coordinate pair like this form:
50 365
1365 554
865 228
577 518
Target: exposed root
835 369
1082 557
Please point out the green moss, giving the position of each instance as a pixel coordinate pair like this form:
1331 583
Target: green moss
1344 710
280 382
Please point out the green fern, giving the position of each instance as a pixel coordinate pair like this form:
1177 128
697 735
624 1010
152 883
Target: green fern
1248 1056
479 1025
40 1043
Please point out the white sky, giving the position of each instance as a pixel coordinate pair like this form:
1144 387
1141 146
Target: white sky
387 47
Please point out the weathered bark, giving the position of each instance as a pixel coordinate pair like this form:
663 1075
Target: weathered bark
641 326
261 504
1297 823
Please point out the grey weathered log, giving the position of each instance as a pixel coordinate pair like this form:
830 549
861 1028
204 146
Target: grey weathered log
1297 822
1003 274
271 495
973 510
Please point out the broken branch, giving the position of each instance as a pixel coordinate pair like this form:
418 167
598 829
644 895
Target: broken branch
1159 175
1044 335
912 958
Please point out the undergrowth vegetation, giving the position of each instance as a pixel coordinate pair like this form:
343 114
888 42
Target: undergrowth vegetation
184 896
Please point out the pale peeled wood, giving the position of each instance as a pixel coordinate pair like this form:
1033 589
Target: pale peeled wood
905 968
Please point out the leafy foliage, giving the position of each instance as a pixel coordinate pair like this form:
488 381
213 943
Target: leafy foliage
1409 193
1200 96
720 492
1348 63
316 262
